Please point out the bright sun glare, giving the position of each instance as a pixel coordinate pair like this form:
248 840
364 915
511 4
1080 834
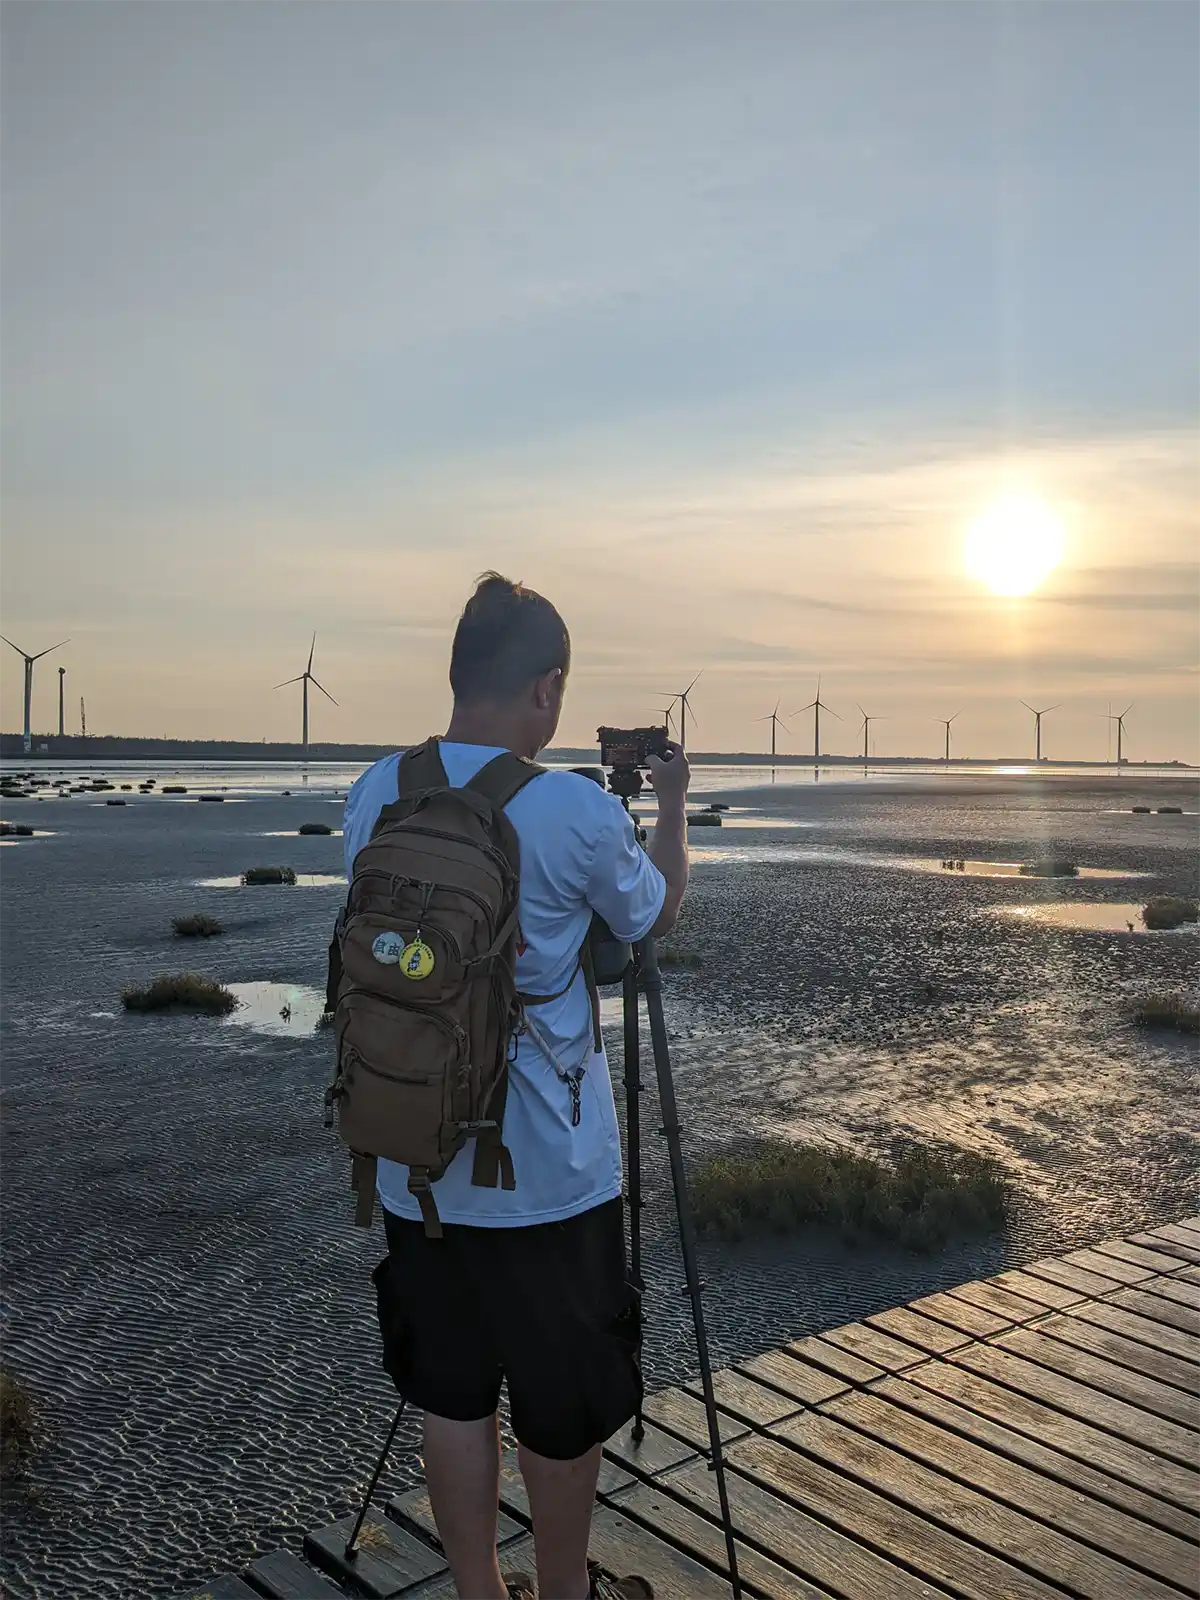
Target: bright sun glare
1014 545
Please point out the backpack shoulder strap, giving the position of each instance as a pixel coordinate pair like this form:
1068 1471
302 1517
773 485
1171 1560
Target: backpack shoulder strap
504 777
421 768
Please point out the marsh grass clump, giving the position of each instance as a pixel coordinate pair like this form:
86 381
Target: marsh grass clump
327 1019
314 827
1169 911
16 830
197 926
183 991
1140 811
173 788
1168 1011
1170 811
1051 868
704 819
269 875
18 1426
115 802
921 1198
679 956
212 799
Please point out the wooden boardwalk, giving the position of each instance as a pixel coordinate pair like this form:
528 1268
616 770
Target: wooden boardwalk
1030 1436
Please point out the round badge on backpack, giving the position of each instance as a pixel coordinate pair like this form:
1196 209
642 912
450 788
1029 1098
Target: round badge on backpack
387 949
416 960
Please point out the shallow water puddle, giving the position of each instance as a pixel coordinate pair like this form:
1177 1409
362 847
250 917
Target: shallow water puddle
747 819
1011 869
860 858
304 880
283 1010
20 838
294 833
1106 917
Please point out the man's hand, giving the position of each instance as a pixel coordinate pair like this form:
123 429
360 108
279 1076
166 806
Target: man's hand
671 777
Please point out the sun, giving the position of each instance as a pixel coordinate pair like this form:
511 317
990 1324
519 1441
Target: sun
1015 545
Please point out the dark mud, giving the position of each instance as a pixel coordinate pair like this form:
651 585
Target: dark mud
182 1286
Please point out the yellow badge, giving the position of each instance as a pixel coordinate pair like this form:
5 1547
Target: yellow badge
416 960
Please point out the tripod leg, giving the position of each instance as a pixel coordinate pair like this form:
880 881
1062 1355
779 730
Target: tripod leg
350 1552
652 986
633 1142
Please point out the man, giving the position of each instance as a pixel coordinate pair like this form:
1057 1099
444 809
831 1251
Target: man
529 1285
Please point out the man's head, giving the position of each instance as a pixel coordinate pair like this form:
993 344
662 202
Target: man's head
509 663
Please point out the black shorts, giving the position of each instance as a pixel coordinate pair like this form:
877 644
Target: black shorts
548 1308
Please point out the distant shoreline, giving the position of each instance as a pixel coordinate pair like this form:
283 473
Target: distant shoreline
50 748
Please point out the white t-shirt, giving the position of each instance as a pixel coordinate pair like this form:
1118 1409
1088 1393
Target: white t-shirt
578 855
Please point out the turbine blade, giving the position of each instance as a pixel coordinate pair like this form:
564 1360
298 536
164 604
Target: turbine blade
1028 707
1058 707
808 707
284 685
16 647
53 647
831 712
1129 708
694 681
311 648
322 688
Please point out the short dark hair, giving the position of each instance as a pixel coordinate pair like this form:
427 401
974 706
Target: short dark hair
507 636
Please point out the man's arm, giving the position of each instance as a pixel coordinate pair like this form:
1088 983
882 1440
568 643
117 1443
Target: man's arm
668 847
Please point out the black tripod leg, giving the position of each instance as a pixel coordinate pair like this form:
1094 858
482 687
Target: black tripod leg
350 1552
633 1143
652 985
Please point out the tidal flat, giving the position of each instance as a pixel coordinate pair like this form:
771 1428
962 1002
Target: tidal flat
183 1290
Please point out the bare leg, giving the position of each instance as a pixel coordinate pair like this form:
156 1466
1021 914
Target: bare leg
561 1496
462 1470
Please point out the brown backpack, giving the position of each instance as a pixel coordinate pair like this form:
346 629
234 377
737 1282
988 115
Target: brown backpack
422 974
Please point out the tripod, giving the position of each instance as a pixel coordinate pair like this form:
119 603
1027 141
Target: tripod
643 973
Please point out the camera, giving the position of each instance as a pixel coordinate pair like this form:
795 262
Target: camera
629 747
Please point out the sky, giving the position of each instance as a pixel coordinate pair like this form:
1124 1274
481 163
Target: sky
718 324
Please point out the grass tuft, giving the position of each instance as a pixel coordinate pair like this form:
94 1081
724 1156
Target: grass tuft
1167 1011
677 956
1169 911
16 830
18 1425
198 926
269 875
314 827
922 1198
1051 868
173 788
182 990
704 819
1170 811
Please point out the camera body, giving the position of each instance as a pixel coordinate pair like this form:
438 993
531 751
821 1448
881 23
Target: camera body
629 747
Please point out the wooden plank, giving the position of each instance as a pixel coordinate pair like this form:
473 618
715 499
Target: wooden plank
1013 1308
386 1562
743 1398
1103 1375
654 1453
832 1359
518 1557
1156 1309
1123 1352
891 1529
1109 1266
623 1546
1031 1451
1155 1334
226 1587
1189 1275
647 1504
1079 1279
283 1576
1093 1522
1039 1290
963 1510
904 1323
803 1382
801 1542
1139 1255
413 1511
961 1314
1183 1294
1174 1240
1078 1400
868 1344
682 1414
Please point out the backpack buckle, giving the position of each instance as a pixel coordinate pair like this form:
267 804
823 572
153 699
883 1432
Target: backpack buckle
474 1127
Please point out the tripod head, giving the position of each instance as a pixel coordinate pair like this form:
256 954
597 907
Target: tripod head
626 783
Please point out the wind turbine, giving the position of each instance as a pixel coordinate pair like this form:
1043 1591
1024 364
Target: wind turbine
685 711
1120 722
1037 723
867 721
945 722
776 721
29 660
306 677
816 707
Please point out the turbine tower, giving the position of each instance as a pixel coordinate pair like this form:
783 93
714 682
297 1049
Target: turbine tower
1037 724
62 723
866 726
29 660
945 722
1120 722
816 707
685 711
306 677
776 721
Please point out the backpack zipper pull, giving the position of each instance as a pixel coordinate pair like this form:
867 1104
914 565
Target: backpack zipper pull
573 1081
